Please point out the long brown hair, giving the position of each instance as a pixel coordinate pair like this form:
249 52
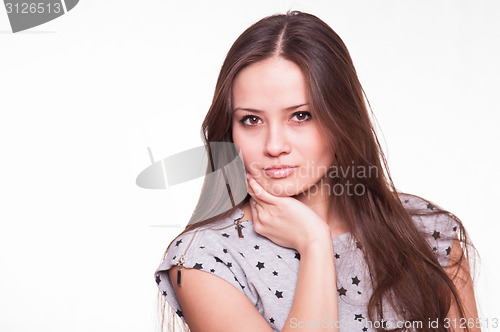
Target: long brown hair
404 270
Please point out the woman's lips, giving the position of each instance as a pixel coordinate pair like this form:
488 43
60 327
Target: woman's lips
280 172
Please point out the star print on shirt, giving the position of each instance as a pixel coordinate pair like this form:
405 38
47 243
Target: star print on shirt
242 287
158 280
198 257
218 260
430 206
365 329
179 313
355 281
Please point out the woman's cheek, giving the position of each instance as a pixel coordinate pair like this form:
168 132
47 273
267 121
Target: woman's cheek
253 170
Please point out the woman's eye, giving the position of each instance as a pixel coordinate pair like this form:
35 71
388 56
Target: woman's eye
250 120
302 116
253 120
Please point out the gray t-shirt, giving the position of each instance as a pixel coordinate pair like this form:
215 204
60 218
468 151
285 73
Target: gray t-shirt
267 273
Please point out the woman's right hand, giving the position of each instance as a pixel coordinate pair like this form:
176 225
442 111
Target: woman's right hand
285 220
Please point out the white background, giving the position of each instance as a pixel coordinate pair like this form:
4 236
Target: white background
83 96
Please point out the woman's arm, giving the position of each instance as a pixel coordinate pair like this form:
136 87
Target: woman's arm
210 304
315 296
290 223
460 274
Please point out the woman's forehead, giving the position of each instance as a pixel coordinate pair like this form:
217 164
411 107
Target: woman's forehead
269 85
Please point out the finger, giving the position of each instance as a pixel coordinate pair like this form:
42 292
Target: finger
261 210
255 214
257 222
252 192
249 188
256 199
260 193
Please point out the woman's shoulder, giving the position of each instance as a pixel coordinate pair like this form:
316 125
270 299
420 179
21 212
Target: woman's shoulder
202 240
222 244
424 211
215 248
437 225
417 203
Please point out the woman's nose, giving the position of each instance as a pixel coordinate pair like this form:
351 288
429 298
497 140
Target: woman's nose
277 142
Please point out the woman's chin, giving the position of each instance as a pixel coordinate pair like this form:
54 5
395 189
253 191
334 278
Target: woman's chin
282 190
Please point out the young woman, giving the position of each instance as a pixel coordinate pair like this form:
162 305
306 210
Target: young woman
323 240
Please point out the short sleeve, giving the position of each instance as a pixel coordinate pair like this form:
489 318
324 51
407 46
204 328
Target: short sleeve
202 250
439 231
437 226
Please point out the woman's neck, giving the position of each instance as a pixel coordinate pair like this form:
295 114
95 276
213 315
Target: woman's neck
319 203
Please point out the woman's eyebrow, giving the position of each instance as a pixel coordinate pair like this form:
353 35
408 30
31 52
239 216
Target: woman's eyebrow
291 108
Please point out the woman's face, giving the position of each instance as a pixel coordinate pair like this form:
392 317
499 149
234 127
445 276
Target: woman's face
281 142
